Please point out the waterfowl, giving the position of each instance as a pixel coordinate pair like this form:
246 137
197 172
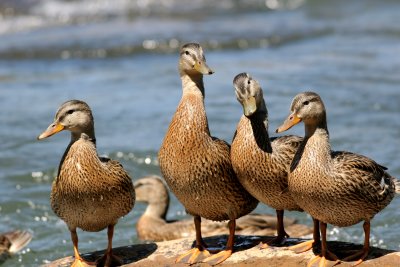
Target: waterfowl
261 163
89 192
334 187
154 226
197 166
12 242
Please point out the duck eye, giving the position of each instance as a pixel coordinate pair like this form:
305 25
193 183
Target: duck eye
248 82
305 103
70 111
187 52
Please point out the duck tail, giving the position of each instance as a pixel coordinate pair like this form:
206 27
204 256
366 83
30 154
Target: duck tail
18 239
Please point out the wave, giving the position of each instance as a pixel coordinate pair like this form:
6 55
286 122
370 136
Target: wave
65 29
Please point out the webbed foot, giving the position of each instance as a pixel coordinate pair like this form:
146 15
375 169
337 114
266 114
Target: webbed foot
219 257
193 256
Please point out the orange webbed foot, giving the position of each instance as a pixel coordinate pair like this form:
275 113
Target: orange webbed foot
81 263
329 260
193 256
360 255
218 258
302 247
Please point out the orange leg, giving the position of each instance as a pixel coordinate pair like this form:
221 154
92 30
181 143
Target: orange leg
78 262
307 245
108 259
280 238
223 255
325 253
197 253
362 254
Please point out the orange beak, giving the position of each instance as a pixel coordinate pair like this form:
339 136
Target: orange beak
52 129
289 123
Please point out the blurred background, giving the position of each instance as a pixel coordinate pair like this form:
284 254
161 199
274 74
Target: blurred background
120 56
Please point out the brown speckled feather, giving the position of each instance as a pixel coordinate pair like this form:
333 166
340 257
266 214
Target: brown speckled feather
90 192
197 167
263 171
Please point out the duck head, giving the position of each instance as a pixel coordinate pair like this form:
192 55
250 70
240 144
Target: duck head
74 116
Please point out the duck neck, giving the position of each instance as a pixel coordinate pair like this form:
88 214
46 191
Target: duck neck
88 134
259 125
191 114
192 83
316 143
158 208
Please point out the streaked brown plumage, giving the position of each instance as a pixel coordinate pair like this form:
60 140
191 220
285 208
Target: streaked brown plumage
154 226
261 163
12 242
197 166
89 192
335 187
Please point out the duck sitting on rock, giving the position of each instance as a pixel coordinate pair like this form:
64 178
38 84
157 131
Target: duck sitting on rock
154 226
89 192
335 187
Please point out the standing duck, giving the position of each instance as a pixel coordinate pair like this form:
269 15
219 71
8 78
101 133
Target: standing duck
197 166
154 226
335 187
89 192
261 163
12 242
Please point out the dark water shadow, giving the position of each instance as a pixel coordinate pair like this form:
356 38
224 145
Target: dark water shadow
242 242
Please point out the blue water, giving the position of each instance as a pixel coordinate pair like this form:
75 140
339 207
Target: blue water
121 57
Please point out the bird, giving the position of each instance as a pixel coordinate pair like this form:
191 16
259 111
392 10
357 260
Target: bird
197 166
12 242
89 192
335 187
154 226
260 162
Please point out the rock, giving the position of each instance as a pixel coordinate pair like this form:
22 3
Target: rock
246 253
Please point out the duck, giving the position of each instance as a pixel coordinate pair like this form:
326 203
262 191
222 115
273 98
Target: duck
89 192
12 242
335 187
261 163
154 226
196 166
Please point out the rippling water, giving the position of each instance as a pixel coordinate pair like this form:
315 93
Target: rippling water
121 57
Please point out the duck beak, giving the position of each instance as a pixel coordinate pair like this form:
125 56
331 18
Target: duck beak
203 68
52 129
249 106
289 123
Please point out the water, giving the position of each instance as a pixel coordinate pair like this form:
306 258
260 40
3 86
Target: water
121 57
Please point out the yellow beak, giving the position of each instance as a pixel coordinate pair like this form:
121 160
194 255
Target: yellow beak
203 68
52 129
289 123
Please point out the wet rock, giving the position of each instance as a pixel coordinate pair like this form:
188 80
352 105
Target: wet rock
246 253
